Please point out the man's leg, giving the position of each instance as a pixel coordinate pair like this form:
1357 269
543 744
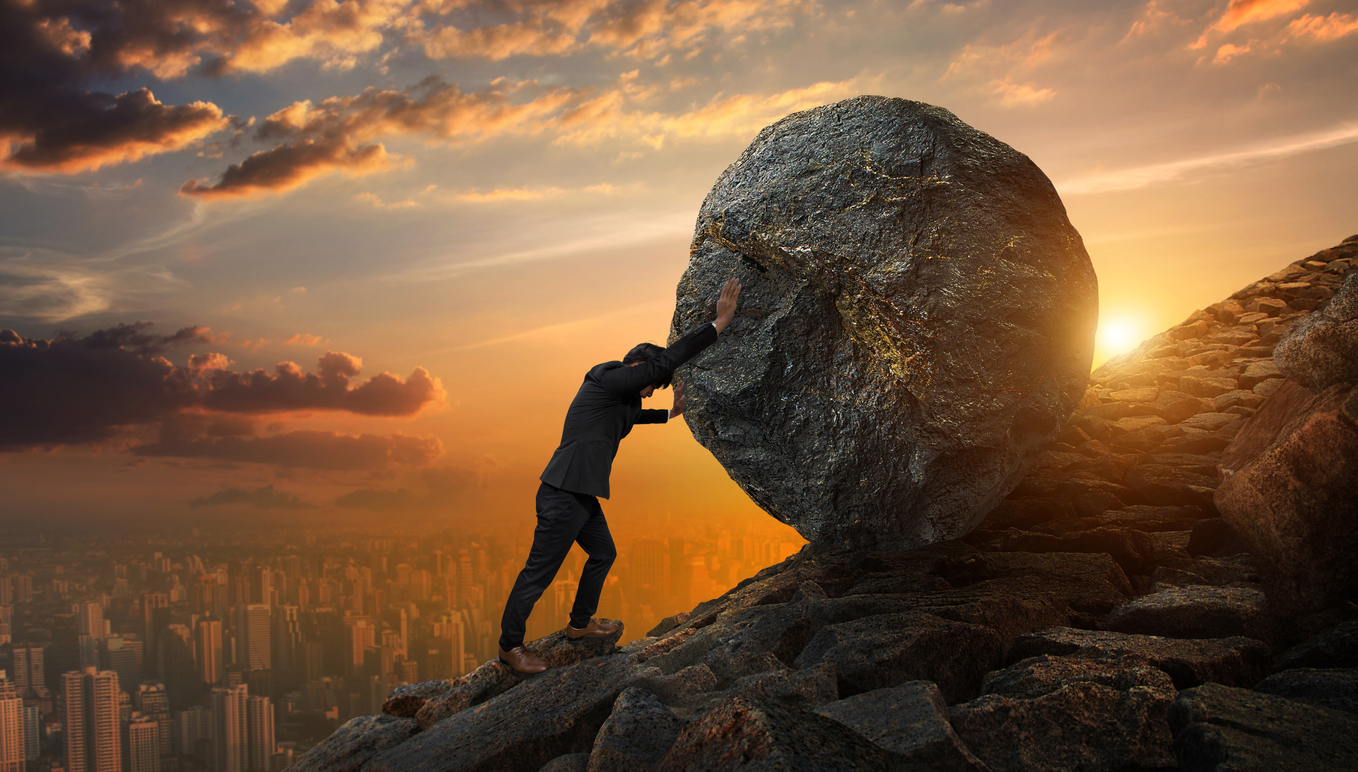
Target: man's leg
559 515
597 542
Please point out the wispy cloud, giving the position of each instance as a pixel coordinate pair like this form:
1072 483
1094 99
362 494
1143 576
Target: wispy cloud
563 327
538 194
1155 174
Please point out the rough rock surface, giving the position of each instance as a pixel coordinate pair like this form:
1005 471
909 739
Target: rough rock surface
350 747
1221 729
1335 688
915 326
744 735
639 732
1195 612
1322 349
739 672
1295 500
1082 725
910 719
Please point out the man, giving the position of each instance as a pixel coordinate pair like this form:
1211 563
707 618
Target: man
602 413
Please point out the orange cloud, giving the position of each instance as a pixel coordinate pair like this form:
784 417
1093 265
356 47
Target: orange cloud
337 133
1323 28
1242 12
301 339
646 29
605 116
535 194
1016 94
1005 70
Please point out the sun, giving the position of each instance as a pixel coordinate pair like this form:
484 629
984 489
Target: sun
1118 335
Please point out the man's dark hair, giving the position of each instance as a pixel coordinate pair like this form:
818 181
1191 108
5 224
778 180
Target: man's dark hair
644 352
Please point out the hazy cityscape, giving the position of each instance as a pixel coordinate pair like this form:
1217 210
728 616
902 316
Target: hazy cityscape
236 649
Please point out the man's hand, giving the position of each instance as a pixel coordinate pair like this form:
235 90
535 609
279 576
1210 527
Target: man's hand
678 408
726 305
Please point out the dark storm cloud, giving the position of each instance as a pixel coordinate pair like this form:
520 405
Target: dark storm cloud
50 122
289 388
267 497
83 389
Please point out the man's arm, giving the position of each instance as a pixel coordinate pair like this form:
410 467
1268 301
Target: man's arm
624 381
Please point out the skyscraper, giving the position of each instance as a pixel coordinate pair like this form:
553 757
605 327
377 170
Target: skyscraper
142 742
176 666
124 657
92 737
229 731
11 727
360 634
252 630
287 637
23 588
259 720
90 619
28 674
193 732
208 647
154 702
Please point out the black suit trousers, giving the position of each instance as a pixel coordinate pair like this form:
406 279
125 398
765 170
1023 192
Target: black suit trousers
563 518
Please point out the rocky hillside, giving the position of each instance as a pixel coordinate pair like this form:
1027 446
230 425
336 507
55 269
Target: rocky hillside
1103 617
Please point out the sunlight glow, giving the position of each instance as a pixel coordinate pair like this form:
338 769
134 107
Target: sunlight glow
1118 335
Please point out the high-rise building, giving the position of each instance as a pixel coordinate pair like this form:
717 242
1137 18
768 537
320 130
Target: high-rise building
6 589
23 588
28 673
32 725
176 666
229 729
89 617
360 634
124 657
141 740
287 637
11 727
252 631
260 729
208 648
93 743
154 703
87 647
261 590
464 577
193 732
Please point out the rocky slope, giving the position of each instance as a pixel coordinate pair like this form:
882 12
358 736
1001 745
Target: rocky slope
1103 617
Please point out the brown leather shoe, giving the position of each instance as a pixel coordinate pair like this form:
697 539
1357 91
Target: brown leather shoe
595 629
523 660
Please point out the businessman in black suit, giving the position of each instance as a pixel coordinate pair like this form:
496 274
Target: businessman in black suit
602 413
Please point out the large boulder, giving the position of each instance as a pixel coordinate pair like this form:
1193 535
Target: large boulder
916 323
1290 489
1322 349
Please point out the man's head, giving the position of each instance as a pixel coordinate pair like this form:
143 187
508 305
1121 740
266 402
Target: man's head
640 354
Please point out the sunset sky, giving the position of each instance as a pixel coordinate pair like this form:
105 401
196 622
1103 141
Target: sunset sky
438 214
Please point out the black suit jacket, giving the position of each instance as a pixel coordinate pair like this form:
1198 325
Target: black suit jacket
604 410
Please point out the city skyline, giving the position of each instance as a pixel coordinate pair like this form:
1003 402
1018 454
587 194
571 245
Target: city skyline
234 650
